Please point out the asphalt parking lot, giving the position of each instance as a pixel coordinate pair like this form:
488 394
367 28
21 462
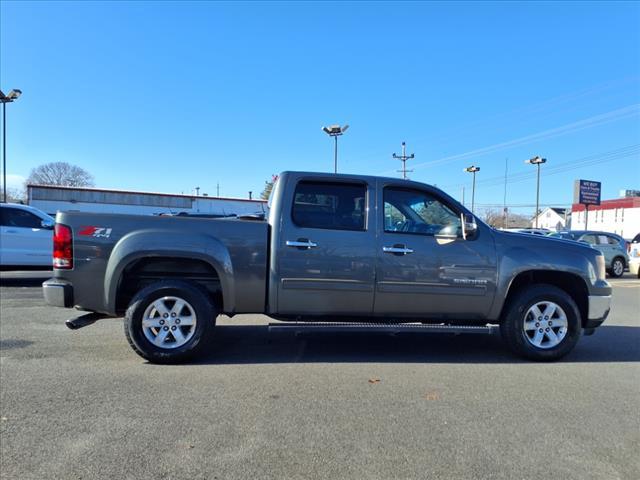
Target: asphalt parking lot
82 405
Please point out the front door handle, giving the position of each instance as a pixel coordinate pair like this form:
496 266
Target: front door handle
301 243
398 250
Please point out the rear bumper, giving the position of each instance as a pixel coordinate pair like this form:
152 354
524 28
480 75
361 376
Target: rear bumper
599 307
58 293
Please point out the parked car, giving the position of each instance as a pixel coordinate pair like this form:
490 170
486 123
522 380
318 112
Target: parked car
612 246
335 249
634 256
25 237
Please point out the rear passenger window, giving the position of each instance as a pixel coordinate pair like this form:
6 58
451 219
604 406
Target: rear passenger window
613 241
338 206
14 217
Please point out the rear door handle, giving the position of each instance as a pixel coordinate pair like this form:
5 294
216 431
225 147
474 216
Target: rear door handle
301 243
398 250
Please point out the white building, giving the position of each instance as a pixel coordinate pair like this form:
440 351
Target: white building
621 216
552 218
51 199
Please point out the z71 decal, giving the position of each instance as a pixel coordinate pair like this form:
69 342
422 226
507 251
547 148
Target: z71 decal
97 232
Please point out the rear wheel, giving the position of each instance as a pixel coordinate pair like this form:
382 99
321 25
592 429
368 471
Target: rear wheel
541 323
169 321
617 267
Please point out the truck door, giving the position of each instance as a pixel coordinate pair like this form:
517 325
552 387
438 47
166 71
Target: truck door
425 268
326 251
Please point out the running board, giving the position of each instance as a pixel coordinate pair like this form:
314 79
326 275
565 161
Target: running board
390 328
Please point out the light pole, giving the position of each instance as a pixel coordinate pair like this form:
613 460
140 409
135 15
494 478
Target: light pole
473 169
537 161
335 131
4 99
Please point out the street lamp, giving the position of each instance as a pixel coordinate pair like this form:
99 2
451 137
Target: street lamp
537 161
473 169
335 131
4 99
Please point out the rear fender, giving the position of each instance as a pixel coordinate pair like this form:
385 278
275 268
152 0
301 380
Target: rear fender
166 243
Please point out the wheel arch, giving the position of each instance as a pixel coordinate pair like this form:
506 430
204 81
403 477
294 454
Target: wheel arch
134 262
572 284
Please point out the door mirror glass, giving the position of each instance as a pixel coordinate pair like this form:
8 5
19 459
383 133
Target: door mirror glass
47 224
469 226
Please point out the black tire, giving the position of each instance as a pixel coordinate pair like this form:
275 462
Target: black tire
199 301
513 321
617 264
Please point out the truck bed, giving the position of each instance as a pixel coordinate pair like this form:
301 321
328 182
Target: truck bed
109 248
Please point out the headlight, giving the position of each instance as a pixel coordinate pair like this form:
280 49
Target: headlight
601 272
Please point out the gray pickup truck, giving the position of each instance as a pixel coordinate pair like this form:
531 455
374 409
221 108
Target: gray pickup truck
334 250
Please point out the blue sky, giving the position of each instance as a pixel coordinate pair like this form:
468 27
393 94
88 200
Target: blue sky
169 96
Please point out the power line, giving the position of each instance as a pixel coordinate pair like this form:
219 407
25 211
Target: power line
576 164
596 120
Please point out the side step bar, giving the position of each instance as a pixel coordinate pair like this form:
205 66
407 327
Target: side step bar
390 328
83 320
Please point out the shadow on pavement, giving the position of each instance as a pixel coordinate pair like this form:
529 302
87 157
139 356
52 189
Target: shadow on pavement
22 282
254 345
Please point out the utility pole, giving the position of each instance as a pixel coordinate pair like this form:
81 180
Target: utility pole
505 212
218 189
473 169
403 158
250 195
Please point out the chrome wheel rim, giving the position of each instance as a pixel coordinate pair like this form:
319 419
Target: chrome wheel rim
618 268
545 325
169 322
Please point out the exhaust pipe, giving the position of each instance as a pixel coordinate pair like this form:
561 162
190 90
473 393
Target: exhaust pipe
83 320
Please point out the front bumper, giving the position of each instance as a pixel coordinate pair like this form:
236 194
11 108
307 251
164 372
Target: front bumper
58 293
599 307
634 266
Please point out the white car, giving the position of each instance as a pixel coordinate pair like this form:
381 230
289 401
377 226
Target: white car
634 256
25 237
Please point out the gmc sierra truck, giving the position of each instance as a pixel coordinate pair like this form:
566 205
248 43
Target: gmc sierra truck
335 250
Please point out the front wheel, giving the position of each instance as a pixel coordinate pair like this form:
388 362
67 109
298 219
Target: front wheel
169 321
542 323
617 267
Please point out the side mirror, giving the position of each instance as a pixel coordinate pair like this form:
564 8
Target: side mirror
469 225
47 224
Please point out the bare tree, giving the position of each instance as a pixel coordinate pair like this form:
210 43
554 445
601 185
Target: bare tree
496 219
16 195
60 173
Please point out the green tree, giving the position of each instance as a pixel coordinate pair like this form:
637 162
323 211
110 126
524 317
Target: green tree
268 187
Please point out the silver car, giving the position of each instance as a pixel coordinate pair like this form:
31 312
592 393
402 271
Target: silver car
612 246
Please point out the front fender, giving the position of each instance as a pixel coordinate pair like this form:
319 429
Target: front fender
545 258
168 243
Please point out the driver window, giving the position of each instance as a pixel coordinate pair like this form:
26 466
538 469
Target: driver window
416 211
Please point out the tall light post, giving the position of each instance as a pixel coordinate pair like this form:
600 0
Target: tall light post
4 99
537 161
473 169
335 131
